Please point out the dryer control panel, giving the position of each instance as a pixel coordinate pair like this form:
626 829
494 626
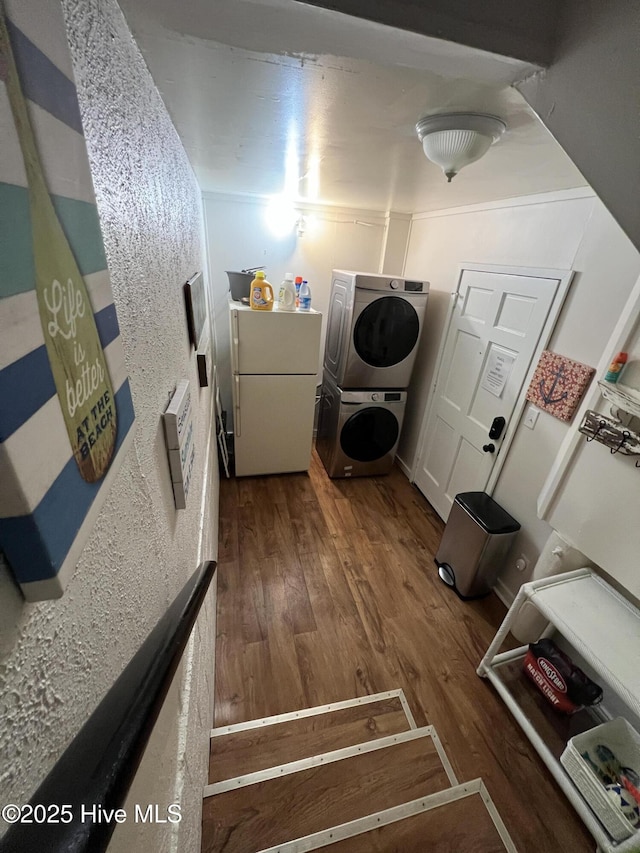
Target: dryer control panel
360 397
370 281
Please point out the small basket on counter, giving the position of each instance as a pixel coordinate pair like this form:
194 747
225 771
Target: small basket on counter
603 764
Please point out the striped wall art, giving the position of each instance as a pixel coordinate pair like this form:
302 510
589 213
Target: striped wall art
66 413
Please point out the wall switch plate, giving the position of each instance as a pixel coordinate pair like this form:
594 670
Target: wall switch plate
531 417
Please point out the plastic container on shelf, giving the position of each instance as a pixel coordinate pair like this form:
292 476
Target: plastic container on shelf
287 294
304 297
623 741
298 283
557 556
261 293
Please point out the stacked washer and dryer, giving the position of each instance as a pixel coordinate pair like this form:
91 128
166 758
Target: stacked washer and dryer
373 330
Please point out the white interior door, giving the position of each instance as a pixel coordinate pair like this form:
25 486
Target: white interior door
494 331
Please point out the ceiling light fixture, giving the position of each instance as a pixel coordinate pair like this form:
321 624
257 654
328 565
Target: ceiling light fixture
453 140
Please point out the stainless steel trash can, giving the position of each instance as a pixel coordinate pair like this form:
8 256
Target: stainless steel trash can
474 545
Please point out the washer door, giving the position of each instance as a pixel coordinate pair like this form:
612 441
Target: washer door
386 331
369 434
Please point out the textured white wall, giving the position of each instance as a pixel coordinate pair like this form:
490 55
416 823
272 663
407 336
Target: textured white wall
567 233
58 658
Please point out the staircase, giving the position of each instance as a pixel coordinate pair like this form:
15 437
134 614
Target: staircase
355 776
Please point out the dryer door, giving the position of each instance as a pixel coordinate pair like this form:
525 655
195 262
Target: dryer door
386 332
369 434
384 341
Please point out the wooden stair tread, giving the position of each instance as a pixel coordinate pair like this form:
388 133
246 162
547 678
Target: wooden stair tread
250 750
271 812
463 826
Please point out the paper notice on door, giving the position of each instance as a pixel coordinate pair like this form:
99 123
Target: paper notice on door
497 372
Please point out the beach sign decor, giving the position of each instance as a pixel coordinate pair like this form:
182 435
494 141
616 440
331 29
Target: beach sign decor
66 413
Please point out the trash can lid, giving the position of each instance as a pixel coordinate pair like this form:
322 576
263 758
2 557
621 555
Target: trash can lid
487 512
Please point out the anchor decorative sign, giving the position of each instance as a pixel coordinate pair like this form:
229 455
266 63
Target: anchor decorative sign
66 412
558 384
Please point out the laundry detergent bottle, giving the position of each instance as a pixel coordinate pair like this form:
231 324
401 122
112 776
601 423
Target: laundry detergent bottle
261 293
287 296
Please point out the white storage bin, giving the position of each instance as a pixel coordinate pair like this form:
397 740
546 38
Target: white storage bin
624 741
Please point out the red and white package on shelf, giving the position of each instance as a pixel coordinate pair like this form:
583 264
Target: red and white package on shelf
560 681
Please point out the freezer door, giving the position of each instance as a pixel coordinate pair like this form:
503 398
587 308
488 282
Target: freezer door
273 423
273 342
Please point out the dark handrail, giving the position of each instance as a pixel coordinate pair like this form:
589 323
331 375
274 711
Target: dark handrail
98 766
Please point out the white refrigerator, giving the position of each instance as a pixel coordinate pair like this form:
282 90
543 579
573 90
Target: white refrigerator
274 362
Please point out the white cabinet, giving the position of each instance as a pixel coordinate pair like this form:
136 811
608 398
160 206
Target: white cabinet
273 423
274 361
604 629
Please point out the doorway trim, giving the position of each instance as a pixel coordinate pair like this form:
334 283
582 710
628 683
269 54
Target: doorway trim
564 278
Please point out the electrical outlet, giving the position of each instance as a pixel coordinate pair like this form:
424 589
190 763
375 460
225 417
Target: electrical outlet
531 417
522 563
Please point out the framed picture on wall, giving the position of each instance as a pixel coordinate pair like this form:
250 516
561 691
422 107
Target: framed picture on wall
196 305
558 384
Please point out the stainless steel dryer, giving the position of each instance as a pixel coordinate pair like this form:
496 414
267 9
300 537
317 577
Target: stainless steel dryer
358 431
373 329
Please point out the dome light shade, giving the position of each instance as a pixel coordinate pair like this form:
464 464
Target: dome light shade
453 140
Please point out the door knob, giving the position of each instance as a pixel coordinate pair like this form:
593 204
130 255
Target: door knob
489 448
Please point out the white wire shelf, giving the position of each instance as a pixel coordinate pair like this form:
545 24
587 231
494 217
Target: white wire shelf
604 628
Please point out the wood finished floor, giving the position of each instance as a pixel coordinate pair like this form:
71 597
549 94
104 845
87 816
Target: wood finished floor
327 590
445 829
262 815
270 746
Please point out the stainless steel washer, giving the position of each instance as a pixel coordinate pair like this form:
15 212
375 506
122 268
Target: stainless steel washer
358 431
373 329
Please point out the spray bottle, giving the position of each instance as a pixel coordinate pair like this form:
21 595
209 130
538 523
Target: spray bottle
615 368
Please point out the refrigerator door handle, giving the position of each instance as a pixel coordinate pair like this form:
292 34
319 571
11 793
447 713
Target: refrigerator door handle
235 342
236 405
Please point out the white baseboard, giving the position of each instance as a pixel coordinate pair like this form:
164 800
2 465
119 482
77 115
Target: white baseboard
406 470
504 593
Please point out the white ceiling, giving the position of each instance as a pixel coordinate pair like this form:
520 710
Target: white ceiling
272 95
